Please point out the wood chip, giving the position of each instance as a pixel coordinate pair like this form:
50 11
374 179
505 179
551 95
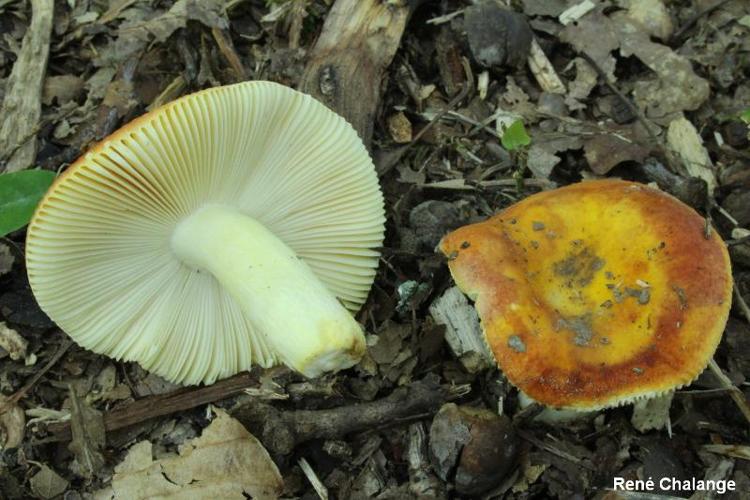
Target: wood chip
683 139
543 71
12 424
462 330
576 12
87 427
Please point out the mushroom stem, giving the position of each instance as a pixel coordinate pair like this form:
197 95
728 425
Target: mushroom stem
304 323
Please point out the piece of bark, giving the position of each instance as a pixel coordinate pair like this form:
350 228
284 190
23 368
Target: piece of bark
22 105
462 330
347 63
280 431
543 71
88 439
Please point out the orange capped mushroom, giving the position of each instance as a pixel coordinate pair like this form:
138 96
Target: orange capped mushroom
596 294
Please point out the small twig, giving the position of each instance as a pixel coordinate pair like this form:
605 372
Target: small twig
726 148
445 18
316 483
498 183
230 54
734 392
703 392
738 241
551 449
742 304
280 430
20 393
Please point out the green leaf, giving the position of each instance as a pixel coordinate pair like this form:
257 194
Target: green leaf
745 115
19 194
515 136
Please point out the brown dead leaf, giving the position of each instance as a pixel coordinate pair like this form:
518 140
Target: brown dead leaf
400 128
653 16
88 437
545 146
207 12
581 87
552 8
540 162
606 151
225 462
516 100
12 424
409 176
12 342
676 87
134 34
47 484
61 89
594 34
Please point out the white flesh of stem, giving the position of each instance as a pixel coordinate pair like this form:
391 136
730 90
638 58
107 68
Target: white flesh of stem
304 323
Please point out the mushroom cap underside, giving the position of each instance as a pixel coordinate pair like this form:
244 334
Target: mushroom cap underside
98 246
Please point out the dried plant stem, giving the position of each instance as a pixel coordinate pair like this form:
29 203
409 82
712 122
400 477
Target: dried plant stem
734 392
742 304
20 393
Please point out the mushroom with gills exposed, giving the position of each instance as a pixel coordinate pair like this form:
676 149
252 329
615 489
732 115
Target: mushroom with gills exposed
235 226
596 294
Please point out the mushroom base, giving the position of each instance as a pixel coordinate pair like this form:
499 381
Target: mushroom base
304 323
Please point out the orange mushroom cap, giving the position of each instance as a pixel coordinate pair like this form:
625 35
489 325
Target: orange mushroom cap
596 294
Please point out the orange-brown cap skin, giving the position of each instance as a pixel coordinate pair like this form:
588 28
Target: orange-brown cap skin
597 293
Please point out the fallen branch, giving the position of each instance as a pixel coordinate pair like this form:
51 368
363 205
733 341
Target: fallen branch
280 431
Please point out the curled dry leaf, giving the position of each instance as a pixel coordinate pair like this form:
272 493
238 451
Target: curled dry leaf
594 34
12 342
225 462
675 87
12 424
47 483
607 150
654 17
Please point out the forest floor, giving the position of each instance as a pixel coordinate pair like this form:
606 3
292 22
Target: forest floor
618 76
